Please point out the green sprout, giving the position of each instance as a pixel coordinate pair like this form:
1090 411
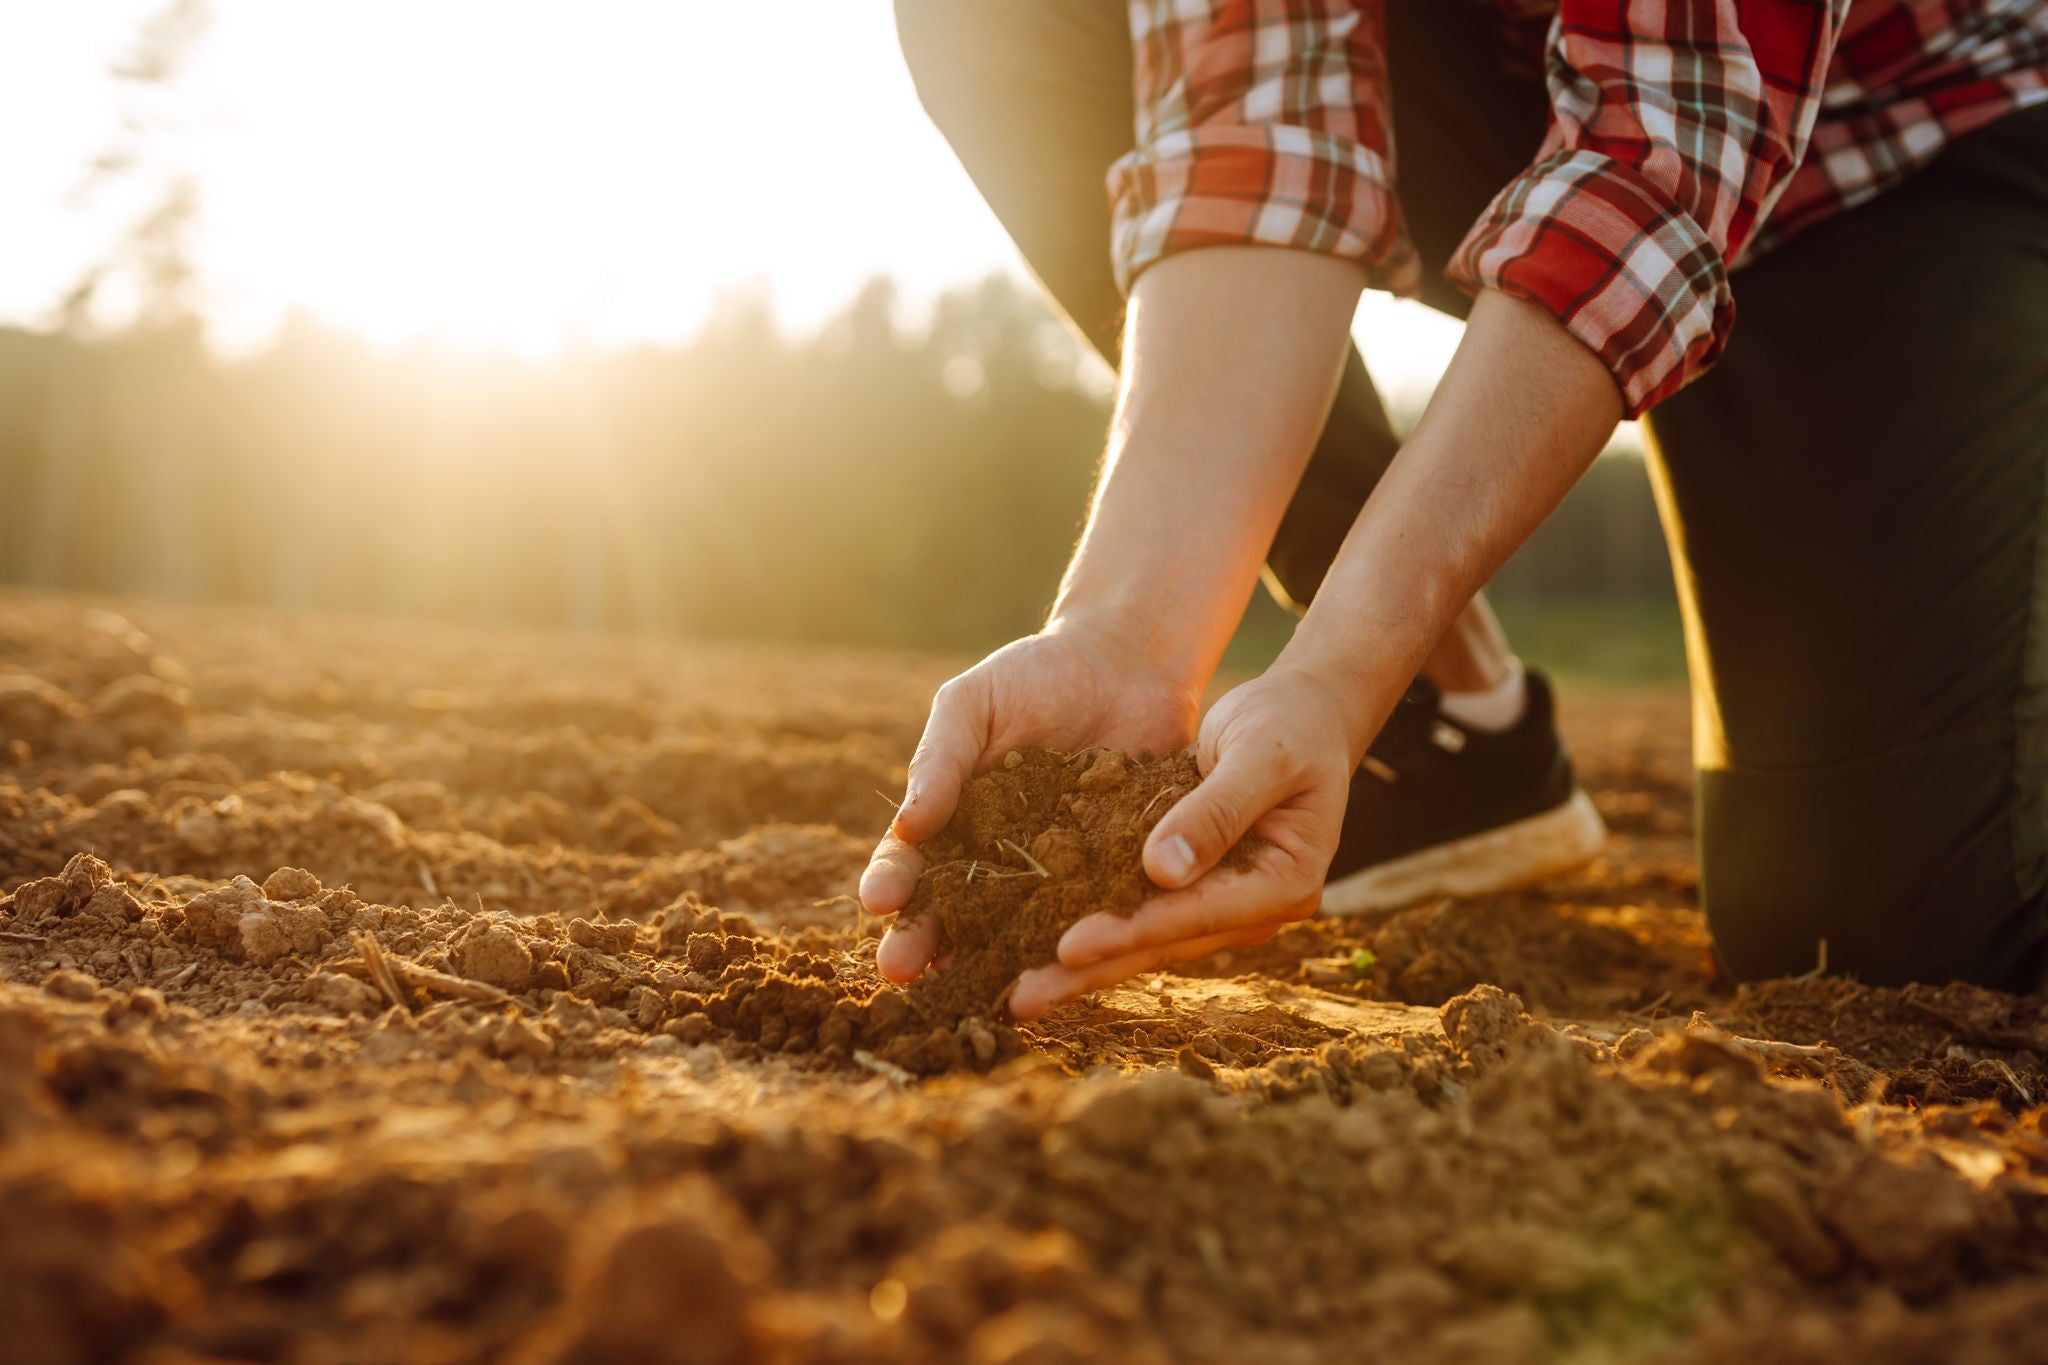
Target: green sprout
1364 960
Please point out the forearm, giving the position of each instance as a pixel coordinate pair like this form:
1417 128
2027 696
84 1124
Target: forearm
1520 414
1232 357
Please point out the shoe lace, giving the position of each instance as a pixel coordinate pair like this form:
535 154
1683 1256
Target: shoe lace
1406 733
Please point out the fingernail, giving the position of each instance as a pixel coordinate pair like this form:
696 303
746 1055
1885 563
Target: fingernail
1176 859
1025 1003
1074 947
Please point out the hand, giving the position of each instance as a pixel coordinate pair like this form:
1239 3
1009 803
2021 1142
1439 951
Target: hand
1065 688
1277 760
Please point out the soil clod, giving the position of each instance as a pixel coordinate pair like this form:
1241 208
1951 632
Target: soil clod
1038 844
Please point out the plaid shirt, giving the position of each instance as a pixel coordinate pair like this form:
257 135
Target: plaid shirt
1686 137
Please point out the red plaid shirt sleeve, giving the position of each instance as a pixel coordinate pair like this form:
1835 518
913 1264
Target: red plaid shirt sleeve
1674 128
1675 124
1686 137
1262 122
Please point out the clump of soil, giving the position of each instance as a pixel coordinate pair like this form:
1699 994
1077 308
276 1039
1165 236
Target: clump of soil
1038 844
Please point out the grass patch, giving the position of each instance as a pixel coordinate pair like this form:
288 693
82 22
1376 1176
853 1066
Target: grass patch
1598 639
1615 640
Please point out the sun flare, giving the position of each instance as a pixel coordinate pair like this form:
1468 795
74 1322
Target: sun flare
529 177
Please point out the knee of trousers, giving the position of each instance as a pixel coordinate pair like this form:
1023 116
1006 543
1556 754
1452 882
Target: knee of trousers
1904 863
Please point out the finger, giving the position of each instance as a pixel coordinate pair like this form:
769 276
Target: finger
1039 989
953 741
906 949
1189 839
890 877
1043 987
1230 903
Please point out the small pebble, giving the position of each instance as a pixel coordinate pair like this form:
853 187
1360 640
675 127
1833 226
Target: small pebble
70 985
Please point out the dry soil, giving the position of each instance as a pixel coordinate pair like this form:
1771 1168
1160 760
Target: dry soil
377 992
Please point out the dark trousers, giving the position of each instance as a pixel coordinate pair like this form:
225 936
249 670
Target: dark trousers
1855 497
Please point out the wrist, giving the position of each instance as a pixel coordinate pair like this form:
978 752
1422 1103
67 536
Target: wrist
1363 686
1138 636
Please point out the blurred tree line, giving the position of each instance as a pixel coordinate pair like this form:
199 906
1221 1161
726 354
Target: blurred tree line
873 483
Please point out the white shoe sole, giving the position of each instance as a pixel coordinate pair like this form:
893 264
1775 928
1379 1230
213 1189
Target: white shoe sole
1502 859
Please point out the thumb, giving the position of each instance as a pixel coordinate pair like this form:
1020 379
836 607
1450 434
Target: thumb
953 741
1207 822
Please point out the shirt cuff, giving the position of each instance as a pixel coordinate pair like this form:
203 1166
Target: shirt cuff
1261 186
1604 249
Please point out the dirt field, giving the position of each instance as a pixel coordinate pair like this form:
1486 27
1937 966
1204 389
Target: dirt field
379 992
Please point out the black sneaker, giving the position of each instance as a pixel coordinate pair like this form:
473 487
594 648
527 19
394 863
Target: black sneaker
1441 810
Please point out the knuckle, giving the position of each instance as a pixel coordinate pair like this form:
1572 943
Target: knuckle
1217 824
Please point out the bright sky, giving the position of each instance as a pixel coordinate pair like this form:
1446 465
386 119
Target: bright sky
516 173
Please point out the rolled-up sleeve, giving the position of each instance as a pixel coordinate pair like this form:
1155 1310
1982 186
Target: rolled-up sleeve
1675 125
1262 124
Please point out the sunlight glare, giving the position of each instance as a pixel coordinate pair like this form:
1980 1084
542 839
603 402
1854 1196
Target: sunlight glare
530 174
525 176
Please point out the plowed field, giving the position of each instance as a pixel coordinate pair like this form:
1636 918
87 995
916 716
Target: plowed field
388 992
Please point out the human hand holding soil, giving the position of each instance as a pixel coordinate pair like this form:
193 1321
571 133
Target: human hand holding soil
1274 760
1068 687
1270 765
1232 358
